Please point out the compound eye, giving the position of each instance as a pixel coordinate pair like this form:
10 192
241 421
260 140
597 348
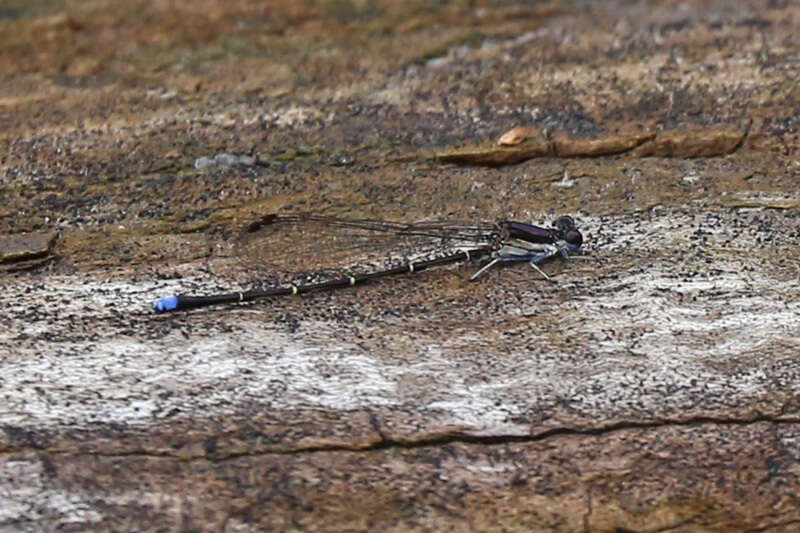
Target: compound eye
564 224
574 238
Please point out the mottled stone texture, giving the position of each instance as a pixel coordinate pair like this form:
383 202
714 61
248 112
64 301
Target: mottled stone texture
653 386
686 477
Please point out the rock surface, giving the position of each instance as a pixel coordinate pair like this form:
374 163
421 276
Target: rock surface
652 386
25 250
693 143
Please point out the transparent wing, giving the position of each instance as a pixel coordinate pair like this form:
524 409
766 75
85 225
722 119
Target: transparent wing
281 248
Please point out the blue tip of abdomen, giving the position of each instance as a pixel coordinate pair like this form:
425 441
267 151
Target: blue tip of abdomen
170 303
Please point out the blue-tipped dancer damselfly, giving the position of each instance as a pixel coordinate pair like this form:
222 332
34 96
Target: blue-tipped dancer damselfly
331 238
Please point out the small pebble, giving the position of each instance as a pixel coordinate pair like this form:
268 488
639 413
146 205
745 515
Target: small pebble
515 136
223 160
226 160
203 162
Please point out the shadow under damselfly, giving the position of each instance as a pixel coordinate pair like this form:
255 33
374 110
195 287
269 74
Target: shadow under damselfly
346 252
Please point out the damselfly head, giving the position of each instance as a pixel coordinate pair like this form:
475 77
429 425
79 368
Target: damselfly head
567 230
564 224
574 239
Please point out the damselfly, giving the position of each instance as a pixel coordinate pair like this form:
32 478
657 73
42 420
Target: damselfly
279 239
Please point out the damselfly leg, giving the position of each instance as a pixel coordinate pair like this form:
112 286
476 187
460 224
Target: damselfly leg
512 252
